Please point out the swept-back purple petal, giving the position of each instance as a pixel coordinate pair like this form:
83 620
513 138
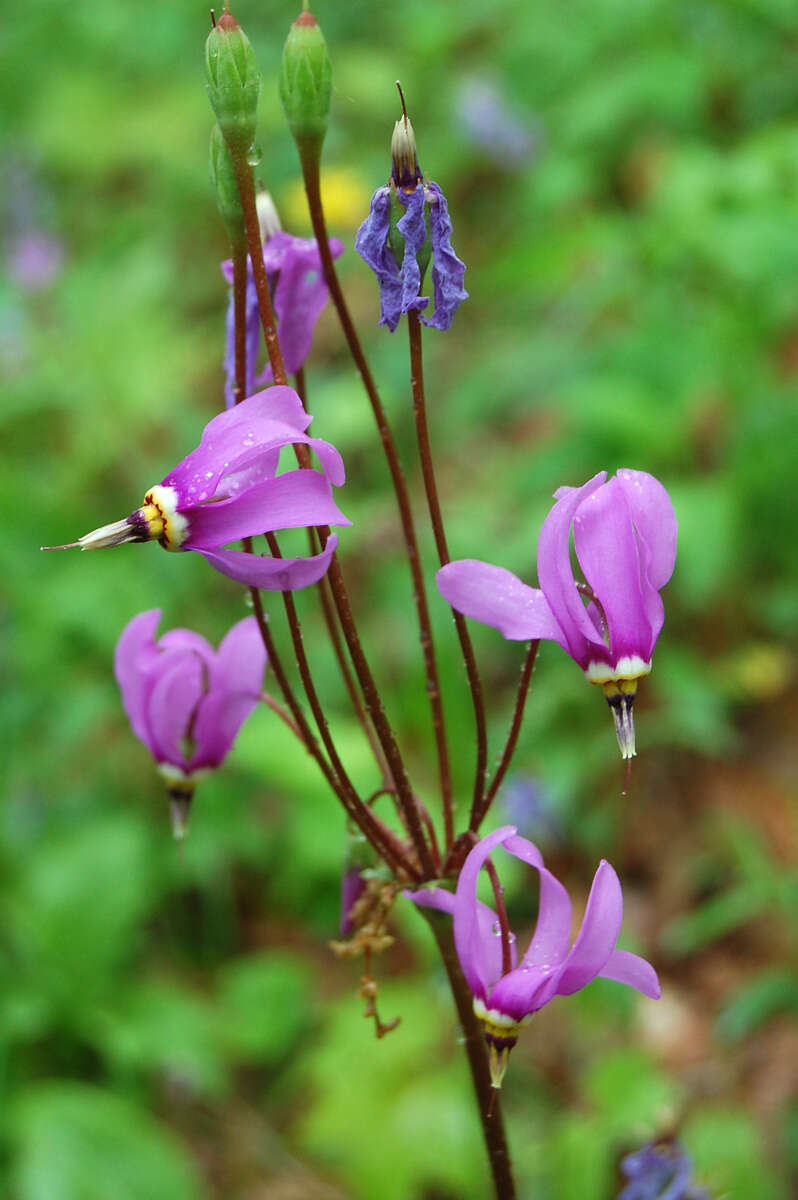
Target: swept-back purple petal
523 991
371 244
654 520
330 459
187 639
472 947
607 549
135 659
288 501
413 228
220 715
598 935
254 423
240 660
181 683
488 925
498 598
631 969
447 269
557 578
300 294
272 574
549 945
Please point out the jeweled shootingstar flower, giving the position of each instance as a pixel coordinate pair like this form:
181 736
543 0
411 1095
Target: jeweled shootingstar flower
506 999
228 489
186 701
625 540
299 293
409 222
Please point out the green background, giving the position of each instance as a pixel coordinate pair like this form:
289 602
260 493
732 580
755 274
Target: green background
174 1025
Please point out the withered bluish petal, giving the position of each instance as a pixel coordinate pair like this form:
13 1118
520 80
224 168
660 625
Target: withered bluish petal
448 270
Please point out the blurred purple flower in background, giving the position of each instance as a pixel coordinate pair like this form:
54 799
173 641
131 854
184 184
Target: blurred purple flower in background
660 1171
507 993
299 293
186 701
530 806
228 489
625 540
34 259
487 120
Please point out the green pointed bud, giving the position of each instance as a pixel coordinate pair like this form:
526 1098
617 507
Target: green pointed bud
223 178
306 80
233 82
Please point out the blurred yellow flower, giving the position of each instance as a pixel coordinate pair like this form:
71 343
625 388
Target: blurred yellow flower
344 192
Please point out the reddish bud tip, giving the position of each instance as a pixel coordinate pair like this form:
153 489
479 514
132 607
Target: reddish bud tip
305 18
227 21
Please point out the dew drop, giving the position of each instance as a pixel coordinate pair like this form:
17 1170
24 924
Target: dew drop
254 156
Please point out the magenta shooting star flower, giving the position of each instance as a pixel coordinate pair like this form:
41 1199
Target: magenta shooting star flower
625 540
186 701
299 293
228 489
506 999
408 222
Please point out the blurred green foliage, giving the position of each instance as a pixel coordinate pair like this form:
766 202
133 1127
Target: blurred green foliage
175 1026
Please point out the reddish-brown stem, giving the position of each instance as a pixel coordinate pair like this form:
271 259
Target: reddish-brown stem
246 190
501 913
310 172
374 829
487 1097
478 813
436 519
277 708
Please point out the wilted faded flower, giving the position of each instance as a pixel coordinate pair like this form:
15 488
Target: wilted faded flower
507 993
299 293
228 489
408 222
186 701
625 541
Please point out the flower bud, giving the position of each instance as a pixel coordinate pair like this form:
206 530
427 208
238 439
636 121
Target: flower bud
404 159
233 82
305 80
223 178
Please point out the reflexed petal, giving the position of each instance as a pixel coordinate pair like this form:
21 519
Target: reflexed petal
655 521
552 936
625 967
331 461
187 639
556 577
220 715
240 660
135 658
498 598
300 294
598 935
487 921
607 549
473 949
413 228
261 421
178 689
371 244
272 574
523 991
288 501
447 269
